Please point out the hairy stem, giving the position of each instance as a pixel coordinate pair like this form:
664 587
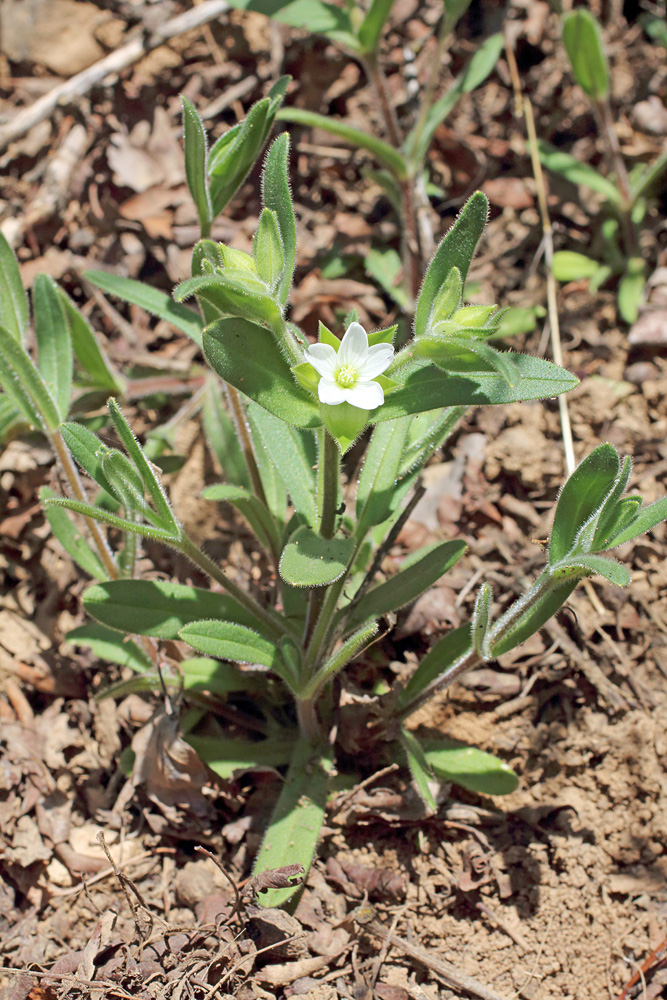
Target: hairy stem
309 724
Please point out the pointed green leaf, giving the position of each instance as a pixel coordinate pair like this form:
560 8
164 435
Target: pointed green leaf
233 293
577 172
109 645
294 827
313 15
444 655
284 447
590 564
419 768
87 451
469 767
54 345
277 196
646 519
535 616
570 266
229 758
611 510
457 249
113 521
12 422
583 44
417 573
256 514
24 385
229 641
221 436
154 301
268 249
13 300
584 493
71 539
272 482
88 352
435 428
380 473
481 619
308 560
158 607
203 675
194 140
345 653
247 356
370 29
124 479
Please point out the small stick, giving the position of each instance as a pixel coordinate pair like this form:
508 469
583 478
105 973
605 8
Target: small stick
218 864
115 62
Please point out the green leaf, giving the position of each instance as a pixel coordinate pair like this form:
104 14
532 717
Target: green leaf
247 356
345 653
268 249
229 641
475 73
297 819
124 480
256 514
457 249
444 655
593 565
71 539
428 432
536 615
646 184
203 675
615 507
481 619
24 385
380 473
313 15
583 44
582 496
221 436
113 521
13 300
277 196
87 450
12 423
426 387
577 172
229 758
272 482
147 470
631 289
370 29
417 574
469 767
419 769
233 292
382 151
108 645
567 265
194 139
646 519
308 560
157 607
155 302
284 447
88 352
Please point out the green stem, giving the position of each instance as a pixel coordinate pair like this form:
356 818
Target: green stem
617 163
309 724
273 625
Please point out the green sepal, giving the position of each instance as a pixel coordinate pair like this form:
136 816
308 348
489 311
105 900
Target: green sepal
325 336
158 608
344 422
308 560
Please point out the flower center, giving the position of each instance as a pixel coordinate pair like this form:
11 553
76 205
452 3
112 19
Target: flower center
346 376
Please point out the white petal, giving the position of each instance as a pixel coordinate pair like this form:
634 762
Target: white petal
323 358
353 350
365 395
379 357
330 392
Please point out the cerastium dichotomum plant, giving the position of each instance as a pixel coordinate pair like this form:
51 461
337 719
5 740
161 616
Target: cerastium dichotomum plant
626 194
279 654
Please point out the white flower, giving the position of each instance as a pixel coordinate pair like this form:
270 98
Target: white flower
347 376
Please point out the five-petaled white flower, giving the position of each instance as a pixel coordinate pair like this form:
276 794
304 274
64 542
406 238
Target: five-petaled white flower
347 376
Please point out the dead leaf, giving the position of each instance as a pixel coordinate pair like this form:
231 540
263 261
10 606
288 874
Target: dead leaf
147 156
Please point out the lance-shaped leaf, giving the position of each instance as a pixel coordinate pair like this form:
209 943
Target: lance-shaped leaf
109 645
203 675
24 385
577 172
308 560
87 450
88 352
158 607
567 265
463 354
230 641
71 539
644 520
469 767
13 299
426 387
370 29
285 447
583 495
154 301
221 436
345 653
12 421
268 249
113 521
54 344
294 827
229 758
272 481
256 514
247 356
123 479
592 564
422 775
194 140
537 612
444 655
277 196
481 619
379 474
233 292
428 432
583 44
313 15
418 572
457 249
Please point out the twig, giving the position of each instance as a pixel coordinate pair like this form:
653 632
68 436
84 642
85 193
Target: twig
523 106
116 61
442 968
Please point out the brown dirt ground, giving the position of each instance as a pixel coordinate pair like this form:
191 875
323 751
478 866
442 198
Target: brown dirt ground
556 891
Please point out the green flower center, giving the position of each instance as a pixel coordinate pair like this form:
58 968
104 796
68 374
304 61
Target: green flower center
346 376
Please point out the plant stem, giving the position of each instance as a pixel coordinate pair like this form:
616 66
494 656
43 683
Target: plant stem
617 163
271 622
377 78
309 724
